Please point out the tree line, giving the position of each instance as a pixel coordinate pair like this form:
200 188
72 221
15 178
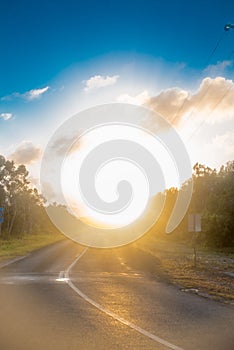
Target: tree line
213 198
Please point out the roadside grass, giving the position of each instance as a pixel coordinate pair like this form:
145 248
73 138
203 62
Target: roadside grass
209 278
26 244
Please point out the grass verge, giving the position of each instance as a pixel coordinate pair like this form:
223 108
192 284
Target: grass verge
26 244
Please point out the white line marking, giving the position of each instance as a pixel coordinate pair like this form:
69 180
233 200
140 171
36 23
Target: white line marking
61 277
110 313
12 261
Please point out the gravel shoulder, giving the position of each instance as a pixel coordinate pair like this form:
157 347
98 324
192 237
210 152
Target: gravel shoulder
213 276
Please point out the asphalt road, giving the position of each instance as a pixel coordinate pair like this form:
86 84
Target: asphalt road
62 297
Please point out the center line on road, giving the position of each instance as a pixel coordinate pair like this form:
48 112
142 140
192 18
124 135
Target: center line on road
110 313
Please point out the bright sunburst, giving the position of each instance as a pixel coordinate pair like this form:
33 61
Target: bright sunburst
109 174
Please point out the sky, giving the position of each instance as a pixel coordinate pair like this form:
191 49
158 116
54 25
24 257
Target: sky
60 57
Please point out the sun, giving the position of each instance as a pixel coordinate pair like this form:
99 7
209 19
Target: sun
110 174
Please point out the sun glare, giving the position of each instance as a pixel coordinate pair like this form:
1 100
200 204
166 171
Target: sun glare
111 173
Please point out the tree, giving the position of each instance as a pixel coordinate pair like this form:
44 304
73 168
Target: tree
24 206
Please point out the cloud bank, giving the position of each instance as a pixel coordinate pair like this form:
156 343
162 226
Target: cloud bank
214 101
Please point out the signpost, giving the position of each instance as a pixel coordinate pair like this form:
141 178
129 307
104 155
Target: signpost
1 218
194 225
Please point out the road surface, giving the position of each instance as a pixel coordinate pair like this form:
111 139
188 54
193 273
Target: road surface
66 297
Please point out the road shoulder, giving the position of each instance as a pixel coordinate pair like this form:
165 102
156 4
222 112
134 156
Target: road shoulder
212 277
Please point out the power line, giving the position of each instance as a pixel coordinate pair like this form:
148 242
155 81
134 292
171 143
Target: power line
206 91
215 106
226 28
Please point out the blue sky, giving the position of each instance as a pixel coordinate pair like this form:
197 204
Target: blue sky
51 49
39 39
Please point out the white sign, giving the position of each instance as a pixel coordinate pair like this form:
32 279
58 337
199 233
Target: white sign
194 223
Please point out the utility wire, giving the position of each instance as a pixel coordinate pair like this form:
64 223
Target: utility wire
215 106
206 92
206 64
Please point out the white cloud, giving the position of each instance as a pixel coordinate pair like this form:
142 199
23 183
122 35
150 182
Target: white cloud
48 191
213 102
225 143
220 149
28 95
35 93
217 69
6 116
139 99
99 81
168 102
26 153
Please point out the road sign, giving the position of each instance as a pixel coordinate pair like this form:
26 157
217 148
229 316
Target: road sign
194 223
1 215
